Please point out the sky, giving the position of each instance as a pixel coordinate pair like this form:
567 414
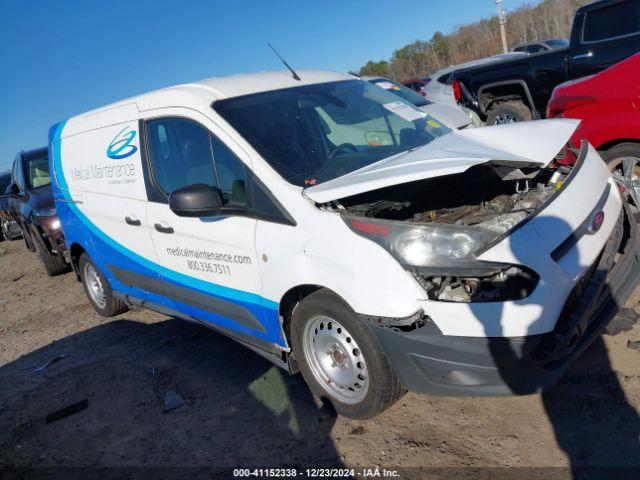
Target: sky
63 57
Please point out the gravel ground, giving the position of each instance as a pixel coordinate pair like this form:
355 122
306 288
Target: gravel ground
240 410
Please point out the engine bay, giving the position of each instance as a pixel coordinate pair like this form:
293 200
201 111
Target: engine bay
490 197
494 197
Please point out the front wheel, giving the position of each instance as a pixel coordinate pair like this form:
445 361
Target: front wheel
53 264
340 359
624 162
98 289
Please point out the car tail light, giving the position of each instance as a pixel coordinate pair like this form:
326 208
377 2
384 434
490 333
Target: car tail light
558 105
457 91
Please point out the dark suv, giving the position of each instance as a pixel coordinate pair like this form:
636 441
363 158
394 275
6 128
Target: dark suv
604 33
32 207
9 229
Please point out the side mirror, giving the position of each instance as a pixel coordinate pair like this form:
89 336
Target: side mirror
197 200
13 190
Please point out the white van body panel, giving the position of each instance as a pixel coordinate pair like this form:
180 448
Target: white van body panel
320 249
532 246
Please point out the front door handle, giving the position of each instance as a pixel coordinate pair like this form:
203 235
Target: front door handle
582 56
133 221
163 228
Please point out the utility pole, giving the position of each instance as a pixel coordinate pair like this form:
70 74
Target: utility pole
503 22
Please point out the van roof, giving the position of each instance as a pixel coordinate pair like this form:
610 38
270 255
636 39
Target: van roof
198 95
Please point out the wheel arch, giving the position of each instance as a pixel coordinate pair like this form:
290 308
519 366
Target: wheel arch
295 295
75 251
612 143
506 90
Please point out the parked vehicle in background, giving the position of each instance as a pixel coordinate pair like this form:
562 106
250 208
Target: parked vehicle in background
604 33
542 46
439 87
609 106
452 116
339 231
9 229
32 207
416 84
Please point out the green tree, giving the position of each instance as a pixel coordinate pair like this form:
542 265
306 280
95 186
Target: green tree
380 68
538 20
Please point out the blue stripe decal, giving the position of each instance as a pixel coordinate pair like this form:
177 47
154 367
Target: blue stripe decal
77 225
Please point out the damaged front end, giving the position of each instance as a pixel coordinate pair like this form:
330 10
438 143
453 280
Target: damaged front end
437 227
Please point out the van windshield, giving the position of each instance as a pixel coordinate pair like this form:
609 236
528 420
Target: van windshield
315 133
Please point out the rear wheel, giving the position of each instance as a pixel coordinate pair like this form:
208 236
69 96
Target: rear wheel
340 359
53 264
98 290
513 111
624 162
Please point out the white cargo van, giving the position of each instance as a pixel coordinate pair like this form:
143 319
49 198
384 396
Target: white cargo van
345 234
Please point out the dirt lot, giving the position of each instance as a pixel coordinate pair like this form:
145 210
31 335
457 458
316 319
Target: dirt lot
241 411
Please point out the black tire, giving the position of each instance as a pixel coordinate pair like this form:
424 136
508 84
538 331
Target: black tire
613 157
508 112
53 264
28 241
384 388
112 306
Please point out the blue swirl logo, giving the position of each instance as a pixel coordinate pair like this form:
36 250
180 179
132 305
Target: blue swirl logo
120 147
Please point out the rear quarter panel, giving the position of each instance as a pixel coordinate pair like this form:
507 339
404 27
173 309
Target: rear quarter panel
614 116
541 72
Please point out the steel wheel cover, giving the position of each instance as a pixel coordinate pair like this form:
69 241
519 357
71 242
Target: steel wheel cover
94 285
335 359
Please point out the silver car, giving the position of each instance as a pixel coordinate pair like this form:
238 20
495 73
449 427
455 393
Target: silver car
451 115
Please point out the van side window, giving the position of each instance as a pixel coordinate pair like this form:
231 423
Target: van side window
614 21
180 153
232 175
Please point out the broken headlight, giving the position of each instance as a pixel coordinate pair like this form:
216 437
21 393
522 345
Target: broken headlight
434 246
508 283
442 259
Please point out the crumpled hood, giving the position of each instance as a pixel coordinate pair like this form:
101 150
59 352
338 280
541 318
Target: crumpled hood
531 143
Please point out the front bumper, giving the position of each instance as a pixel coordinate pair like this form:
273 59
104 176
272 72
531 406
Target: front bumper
53 234
426 361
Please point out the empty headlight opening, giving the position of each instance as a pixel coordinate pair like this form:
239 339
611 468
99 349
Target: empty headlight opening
509 283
